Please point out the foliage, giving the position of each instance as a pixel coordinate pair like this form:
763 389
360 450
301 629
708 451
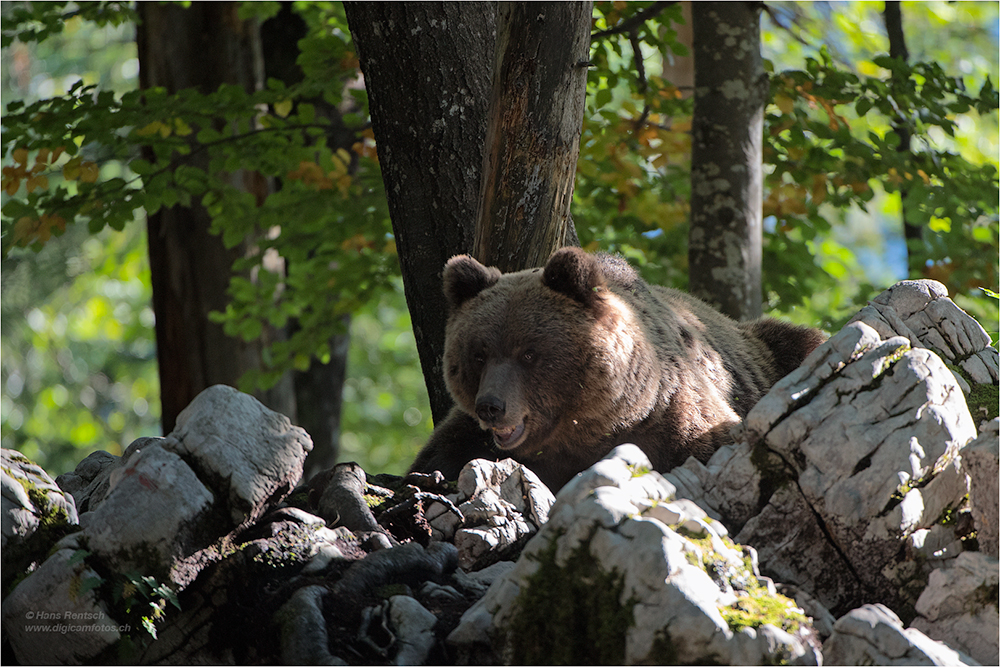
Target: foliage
97 156
820 160
327 221
79 364
143 599
386 413
632 187
830 151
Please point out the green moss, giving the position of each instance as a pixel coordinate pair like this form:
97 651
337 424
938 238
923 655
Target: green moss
756 606
50 513
887 362
570 615
983 401
639 470
759 607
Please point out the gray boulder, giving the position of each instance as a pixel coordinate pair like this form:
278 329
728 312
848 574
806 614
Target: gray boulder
873 635
502 503
163 510
54 617
921 311
89 483
959 606
843 469
153 517
36 514
869 430
981 462
645 579
248 455
30 499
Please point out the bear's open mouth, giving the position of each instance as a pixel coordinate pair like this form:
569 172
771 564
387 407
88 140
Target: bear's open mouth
508 436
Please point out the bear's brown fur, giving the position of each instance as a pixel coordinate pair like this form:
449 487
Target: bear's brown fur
555 367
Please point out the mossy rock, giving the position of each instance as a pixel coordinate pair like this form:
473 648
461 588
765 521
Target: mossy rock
570 614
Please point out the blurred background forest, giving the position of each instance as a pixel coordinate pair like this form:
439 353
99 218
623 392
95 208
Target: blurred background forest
79 369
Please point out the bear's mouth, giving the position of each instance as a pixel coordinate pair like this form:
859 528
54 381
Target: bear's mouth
508 437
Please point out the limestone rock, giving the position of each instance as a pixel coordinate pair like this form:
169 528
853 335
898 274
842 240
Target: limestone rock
152 516
54 617
412 625
869 430
959 606
728 486
873 635
90 481
502 503
248 454
644 592
981 462
36 514
89 474
921 311
30 497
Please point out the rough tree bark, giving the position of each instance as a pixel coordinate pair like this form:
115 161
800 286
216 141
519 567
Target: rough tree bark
199 47
914 234
533 133
428 68
724 248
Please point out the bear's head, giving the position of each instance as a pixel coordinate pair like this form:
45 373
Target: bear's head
538 355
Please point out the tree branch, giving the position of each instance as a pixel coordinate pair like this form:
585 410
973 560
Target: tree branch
633 21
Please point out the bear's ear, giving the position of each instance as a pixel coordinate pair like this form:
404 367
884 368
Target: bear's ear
575 273
464 278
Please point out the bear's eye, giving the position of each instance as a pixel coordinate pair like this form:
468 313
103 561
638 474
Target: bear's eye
529 356
479 357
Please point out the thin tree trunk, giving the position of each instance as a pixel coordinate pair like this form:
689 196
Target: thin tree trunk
724 249
200 47
533 133
914 234
428 68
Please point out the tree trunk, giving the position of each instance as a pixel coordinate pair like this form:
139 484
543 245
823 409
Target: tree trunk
533 133
200 47
724 249
428 68
914 234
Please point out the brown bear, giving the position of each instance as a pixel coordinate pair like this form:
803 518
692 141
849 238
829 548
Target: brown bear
554 367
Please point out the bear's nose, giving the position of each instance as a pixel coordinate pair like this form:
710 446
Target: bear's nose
490 408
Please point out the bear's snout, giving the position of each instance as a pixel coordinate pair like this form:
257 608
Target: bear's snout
490 408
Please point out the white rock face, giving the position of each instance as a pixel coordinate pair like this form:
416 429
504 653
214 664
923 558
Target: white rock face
959 607
873 635
869 430
981 462
921 311
502 503
232 438
606 531
413 625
